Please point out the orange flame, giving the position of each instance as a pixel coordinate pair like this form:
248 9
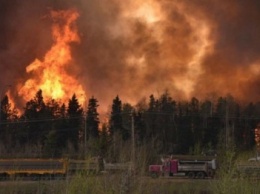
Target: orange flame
50 74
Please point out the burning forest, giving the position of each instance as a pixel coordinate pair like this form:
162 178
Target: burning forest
83 54
134 49
50 75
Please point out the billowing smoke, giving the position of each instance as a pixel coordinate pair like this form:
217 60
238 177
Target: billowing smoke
135 48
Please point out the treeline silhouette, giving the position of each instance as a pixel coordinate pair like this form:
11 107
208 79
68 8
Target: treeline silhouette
166 125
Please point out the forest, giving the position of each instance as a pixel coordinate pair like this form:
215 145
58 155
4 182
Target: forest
48 128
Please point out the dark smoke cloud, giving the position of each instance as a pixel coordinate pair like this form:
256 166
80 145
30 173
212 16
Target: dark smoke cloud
228 69
128 56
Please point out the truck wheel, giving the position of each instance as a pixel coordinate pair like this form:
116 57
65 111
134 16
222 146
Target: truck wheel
191 175
200 175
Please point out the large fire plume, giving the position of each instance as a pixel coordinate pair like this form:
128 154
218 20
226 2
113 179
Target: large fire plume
131 48
50 74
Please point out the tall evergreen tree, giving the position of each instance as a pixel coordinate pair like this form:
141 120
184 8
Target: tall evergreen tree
75 121
219 122
6 127
127 111
52 145
196 120
6 111
36 121
206 113
116 127
227 111
62 126
92 119
139 126
116 121
165 122
185 135
150 117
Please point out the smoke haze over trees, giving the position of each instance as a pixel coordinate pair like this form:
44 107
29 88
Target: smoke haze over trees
197 48
204 53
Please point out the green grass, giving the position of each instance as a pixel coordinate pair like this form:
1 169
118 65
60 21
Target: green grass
122 184
106 184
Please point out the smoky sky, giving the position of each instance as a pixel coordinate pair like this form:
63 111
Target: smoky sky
133 48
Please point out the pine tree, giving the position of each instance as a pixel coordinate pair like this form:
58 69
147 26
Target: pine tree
139 125
53 144
165 121
6 126
151 116
206 112
116 121
127 111
196 120
36 121
6 111
185 135
116 127
92 119
75 121
62 127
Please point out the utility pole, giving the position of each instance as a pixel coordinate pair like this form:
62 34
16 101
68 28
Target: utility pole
85 133
227 125
84 105
85 127
133 141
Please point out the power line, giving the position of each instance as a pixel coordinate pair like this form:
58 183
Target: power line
35 120
40 120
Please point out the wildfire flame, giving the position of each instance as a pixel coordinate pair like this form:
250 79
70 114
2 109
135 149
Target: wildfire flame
50 74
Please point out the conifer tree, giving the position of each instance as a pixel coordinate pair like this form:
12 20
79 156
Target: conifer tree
36 126
127 111
197 133
62 127
75 121
151 117
139 126
206 113
116 121
53 144
7 116
165 121
6 111
92 119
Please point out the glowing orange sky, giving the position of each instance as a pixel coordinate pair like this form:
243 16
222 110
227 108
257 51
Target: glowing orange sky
133 48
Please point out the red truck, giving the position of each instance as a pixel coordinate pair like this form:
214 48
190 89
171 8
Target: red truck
189 168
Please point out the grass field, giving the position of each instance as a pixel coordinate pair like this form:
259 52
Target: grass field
108 184
122 184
